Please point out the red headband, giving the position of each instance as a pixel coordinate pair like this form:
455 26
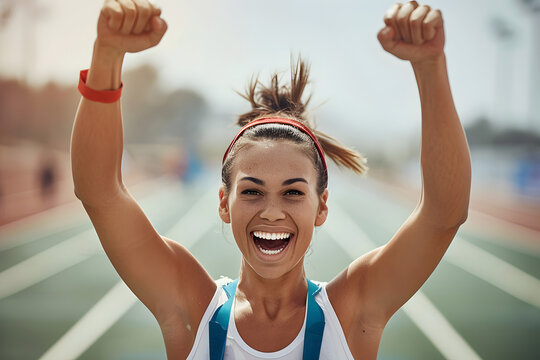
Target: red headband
291 122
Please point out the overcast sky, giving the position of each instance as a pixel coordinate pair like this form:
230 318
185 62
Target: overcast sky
215 46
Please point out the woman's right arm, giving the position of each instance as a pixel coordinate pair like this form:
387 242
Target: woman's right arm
162 273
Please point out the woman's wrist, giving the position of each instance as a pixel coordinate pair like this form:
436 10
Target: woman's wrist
429 64
106 69
107 51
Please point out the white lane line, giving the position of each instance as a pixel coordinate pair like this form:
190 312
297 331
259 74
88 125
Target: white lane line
55 220
196 222
503 233
340 226
41 225
419 309
510 235
48 263
494 271
437 329
54 260
109 309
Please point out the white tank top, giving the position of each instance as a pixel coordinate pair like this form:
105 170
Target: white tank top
334 345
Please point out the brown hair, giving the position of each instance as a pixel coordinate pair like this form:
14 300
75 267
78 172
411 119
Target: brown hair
286 101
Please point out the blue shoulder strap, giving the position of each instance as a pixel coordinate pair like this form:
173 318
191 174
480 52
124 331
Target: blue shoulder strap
220 323
314 324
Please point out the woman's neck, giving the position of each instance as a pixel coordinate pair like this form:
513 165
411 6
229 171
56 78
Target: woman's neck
272 298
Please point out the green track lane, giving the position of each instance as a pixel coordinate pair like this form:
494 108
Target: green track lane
495 324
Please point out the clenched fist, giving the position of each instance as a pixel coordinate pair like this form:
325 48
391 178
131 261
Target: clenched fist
129 25
413 32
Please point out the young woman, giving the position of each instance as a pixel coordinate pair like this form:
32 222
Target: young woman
273 194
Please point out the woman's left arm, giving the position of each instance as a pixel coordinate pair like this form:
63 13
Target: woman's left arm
384 279
445 160
416 34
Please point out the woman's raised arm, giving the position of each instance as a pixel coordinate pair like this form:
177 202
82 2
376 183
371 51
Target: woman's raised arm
97 139
384 279
162 273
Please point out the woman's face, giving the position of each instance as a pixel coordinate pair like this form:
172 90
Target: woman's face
273 205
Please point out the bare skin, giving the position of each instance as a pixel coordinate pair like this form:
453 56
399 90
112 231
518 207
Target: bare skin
271 293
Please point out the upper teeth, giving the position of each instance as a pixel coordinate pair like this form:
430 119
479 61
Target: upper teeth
271 236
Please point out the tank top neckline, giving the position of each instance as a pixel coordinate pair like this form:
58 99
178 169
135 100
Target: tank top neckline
234 335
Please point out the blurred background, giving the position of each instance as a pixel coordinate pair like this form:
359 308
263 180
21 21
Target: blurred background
180 102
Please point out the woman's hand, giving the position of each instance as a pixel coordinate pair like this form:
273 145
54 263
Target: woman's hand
413 32
129 26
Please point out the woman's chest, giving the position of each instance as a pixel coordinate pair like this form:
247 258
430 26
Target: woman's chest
267 335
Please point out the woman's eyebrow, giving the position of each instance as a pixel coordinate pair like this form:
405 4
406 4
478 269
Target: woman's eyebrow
252 179
293 180
285 183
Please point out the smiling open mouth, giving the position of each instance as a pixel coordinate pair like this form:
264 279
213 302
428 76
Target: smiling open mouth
271 243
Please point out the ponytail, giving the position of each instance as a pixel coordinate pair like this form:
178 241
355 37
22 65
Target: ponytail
286 101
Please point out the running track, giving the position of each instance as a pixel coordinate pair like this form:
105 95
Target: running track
60 298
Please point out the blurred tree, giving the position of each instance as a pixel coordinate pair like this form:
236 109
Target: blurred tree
43 115
185 109
152 115
141 86
532 5
482 133
518 137
13 108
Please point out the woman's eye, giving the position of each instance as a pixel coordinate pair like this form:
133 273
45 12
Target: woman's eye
250 192
294 192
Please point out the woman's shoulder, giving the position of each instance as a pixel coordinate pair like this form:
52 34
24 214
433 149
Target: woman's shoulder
201 343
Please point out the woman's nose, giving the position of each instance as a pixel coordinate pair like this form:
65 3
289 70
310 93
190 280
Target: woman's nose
272 211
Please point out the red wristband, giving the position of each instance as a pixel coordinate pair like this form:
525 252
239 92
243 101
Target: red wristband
104 96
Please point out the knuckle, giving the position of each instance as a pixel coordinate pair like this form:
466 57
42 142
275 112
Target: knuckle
141 5
393 10
414 4
127 5
112 10
402 17
145 7
421 10
144 12
390 12
130 11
